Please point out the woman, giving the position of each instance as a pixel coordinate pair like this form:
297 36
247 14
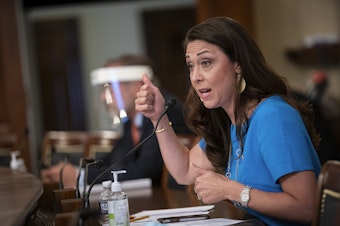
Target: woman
258 144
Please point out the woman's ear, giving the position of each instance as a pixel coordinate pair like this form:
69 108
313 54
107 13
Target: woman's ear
237 68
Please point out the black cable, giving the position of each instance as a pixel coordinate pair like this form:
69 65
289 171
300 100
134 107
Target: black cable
170 104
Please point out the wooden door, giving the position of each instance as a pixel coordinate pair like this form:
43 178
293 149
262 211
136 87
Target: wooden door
12 93
59 75
164 34
240 10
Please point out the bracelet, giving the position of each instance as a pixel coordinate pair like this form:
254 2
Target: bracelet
163 128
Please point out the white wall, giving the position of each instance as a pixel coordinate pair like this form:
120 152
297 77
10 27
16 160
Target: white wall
283 24
109 29
106 30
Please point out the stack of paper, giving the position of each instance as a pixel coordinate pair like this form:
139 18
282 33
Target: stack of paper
182 216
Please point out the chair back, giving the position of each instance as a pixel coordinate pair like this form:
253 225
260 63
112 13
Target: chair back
327 208
60 144
100 143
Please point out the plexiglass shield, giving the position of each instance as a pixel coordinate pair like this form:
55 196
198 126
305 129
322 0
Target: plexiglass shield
108 96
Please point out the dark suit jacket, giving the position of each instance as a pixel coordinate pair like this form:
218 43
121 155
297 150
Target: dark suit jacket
147 161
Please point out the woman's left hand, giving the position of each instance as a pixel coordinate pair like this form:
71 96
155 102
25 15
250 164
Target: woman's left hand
211 187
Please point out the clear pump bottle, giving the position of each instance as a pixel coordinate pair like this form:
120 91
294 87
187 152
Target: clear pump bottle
103 198
118 204
17 164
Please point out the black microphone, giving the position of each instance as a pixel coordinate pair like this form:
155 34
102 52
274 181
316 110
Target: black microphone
97 164
82 163
169 105
61 183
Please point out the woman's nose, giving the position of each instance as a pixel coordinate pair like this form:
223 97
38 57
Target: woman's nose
195 75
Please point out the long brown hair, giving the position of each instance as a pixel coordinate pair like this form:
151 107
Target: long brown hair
262 82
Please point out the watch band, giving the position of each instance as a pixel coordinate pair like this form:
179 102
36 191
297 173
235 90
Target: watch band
245 196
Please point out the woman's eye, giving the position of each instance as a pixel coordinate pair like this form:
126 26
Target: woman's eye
190 66
205 63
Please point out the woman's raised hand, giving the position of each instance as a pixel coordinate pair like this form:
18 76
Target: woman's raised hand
149 100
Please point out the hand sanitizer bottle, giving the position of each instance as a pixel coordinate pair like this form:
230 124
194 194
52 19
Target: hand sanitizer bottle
118 204
17 164
103 198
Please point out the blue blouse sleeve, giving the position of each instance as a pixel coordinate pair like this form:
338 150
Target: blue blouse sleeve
284 142
202 144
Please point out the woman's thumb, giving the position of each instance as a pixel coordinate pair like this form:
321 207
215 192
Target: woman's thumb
146 79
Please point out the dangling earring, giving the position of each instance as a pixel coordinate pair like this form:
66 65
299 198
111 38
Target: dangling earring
242 82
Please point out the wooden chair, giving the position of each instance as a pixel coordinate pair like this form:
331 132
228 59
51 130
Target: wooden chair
100 143
59 144
327 208
56 145
8 141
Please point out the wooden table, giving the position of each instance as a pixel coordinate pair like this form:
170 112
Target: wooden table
170 198
154 198
19 194
160 198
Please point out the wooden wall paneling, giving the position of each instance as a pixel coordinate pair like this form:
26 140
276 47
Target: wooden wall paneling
12 93
59 74
240 10
165 31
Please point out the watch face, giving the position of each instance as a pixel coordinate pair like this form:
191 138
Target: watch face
244 197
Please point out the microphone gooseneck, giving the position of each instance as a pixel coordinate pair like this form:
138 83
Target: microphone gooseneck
61 183
97 164
169 105
82 162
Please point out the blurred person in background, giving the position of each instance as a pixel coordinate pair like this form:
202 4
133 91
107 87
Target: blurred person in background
325 111
121 79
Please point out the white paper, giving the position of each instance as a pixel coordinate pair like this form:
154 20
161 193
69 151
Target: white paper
175 211
153 215
133 188
127 185
136 184
213 221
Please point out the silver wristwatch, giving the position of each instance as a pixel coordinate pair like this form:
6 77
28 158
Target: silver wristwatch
245 196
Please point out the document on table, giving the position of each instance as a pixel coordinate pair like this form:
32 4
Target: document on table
213 221
149 216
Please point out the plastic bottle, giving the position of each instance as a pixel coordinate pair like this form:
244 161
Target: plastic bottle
17 164
118 204
103 198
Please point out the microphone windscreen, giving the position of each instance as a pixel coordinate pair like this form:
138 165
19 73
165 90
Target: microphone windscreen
171 103
98 164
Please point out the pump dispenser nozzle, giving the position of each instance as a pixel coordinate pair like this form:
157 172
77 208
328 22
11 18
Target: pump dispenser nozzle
116 187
